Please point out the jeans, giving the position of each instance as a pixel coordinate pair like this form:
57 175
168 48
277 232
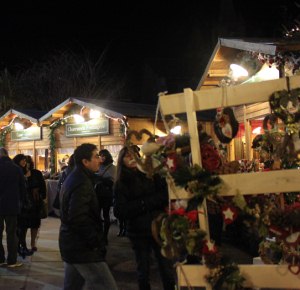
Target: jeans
142 247
97 276
11 238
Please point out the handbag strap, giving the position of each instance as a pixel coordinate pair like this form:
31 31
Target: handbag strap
104 171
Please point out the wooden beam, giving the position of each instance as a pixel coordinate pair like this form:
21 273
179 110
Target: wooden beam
46 123
252 183
57 115
257 276
207 99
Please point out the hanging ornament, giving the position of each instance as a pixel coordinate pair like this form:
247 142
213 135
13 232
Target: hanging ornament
209 247
225 125
229 214
171 162
211 160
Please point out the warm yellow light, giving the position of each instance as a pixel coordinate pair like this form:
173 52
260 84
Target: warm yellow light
19 126
78 119
264 74
256 131
176 130
238 71
94 114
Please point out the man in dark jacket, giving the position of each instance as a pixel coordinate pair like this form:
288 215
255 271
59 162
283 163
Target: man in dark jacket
81 240
12 194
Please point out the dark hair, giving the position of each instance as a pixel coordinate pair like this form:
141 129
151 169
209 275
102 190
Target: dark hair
71 162
17 159
120 163
3 152
84 151
30 162
107 155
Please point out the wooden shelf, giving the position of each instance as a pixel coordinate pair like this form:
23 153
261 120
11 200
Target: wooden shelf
257 276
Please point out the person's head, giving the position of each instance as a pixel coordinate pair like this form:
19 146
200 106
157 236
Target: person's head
71 162
125 161
86 155
20 159
105 157
29 162
3 152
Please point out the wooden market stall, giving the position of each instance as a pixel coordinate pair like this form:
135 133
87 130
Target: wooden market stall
102 122
265 60
21 133
190 102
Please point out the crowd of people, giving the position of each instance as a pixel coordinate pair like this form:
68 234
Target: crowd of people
89 189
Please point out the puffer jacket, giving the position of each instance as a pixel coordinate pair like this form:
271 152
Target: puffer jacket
81 233
138 200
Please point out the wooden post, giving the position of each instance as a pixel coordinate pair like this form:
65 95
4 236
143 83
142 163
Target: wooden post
195 150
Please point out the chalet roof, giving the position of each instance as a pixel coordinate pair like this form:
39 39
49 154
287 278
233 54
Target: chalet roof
124 108
113 109
31 115
227 49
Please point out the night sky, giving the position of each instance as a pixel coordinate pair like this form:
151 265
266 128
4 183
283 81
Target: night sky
163 45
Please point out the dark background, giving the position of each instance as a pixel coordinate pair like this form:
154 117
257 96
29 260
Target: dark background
157 46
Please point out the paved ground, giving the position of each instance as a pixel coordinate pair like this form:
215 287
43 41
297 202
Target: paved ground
44 270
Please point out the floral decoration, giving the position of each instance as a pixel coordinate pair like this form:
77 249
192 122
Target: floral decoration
177 230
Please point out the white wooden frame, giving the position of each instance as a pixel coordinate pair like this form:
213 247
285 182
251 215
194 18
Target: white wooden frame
189 102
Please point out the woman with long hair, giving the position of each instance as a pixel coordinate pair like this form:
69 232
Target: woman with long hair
138 200
29 217
104 187
37 191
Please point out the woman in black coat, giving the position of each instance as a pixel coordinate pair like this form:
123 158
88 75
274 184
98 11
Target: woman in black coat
139 200
35 191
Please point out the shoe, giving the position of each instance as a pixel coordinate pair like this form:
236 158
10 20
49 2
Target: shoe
34 249
28 252
3 264
23 252
17 264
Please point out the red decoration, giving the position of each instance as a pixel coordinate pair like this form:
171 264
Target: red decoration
179 211
279 232
211 160
209 247
229 214
192 215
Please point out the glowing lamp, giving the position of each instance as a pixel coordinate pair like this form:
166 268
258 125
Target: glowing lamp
78 119
238 71
19 126
256 131
94 114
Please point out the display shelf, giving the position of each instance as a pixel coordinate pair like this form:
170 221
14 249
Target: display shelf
190 102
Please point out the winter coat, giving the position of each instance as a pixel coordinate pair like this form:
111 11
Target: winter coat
104 180
138 200
81 233
12 187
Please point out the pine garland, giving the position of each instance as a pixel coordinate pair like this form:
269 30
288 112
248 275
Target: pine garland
52 142
3 134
